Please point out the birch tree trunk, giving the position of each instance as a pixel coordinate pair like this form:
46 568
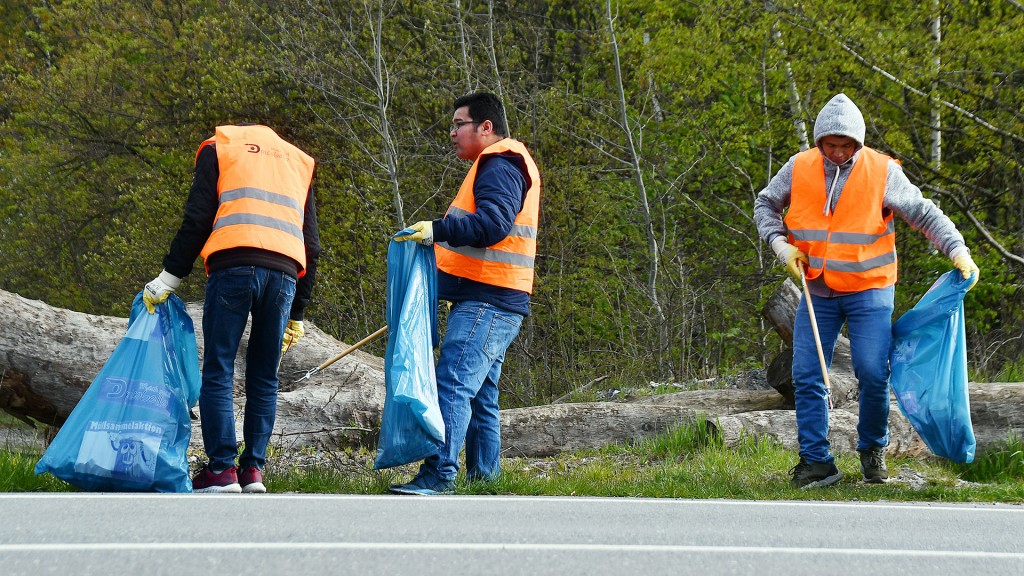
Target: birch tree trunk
936 111
384 87
492 53
634 161
464 48
795 108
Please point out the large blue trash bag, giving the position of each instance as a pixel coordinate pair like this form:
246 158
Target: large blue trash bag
929 369
130 430
411 427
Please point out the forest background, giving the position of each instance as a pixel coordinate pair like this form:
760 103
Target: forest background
654 123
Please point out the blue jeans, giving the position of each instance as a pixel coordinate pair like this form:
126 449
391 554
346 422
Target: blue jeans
231 295
868 316
467 391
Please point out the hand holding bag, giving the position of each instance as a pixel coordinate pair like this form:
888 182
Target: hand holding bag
411 426
131 429
928 359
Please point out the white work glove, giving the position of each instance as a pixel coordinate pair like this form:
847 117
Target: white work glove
292 332
159 289
963 262
423 232
789 255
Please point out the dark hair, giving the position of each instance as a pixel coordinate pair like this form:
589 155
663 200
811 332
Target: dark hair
484 106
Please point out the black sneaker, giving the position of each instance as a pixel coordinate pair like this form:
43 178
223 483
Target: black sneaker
814 474
872 465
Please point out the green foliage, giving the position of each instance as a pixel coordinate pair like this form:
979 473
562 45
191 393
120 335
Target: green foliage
679 442
105 103
325 479
690 463
99 148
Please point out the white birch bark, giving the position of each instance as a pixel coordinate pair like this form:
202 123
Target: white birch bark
936 111
645 208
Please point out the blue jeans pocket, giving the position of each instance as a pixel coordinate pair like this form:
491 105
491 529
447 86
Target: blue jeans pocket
232 287
504 328
286 295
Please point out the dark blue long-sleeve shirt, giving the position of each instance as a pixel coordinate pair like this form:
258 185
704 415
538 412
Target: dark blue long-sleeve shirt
499 192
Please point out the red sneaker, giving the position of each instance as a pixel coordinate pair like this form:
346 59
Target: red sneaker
226 481
251 480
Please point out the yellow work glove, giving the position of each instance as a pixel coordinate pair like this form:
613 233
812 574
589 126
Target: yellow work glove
159 289
965 264
790 255
423 232
292 332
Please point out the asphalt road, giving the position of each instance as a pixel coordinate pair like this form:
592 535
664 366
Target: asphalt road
186 535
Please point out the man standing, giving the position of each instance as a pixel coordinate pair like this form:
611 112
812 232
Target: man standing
841 197
485 247
250 214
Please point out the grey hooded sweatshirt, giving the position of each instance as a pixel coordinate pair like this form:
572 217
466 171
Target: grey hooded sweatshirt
841 117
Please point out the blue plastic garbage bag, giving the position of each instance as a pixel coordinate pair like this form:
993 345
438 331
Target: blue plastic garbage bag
929 369
130 430
411 427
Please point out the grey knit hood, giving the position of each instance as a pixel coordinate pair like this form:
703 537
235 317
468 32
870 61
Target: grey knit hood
840 117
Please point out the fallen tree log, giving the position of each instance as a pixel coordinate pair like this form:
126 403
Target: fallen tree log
780 311
49 356
718 401
780 427
549 430
996 411
539 431
995 415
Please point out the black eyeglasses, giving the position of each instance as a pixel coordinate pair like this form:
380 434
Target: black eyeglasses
460 123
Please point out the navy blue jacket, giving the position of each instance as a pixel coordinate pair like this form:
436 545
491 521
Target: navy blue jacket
499 192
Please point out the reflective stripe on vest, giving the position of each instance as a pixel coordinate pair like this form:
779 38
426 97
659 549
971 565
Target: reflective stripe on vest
510 262
854 247
262 190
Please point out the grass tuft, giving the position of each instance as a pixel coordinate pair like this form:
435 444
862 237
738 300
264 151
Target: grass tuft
686 462
17 474
1003 462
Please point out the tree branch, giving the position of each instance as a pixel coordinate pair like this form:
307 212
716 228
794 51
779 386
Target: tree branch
977 224
834 36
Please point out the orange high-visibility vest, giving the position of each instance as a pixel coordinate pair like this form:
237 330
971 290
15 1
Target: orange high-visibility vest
509 263
262 190
854 247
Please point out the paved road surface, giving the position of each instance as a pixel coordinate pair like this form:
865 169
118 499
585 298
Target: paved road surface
187 535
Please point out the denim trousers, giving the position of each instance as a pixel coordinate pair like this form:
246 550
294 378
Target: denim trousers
868 317
467 390
232 294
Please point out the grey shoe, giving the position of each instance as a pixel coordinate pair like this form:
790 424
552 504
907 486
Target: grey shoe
872 465
814 474
423 486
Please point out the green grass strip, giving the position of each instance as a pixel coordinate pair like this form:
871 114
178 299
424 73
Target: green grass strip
686 462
